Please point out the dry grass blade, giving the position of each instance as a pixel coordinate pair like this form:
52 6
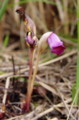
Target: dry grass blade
43 64
22 34
66 106
67 41
15 14
55 91
47 87
54 119
29 115
60 10
66 20
50 110
5 91
59 58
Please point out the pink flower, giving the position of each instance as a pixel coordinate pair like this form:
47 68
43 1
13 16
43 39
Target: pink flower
55 44
31 40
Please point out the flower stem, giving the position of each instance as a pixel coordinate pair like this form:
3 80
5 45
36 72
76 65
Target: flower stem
26 106
31 83
35 71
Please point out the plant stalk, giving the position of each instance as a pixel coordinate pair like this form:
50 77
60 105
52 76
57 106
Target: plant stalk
77 74
31 85
26 106
31 80
35 72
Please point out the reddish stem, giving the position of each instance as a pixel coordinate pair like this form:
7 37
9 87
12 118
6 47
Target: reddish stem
26 106
31 62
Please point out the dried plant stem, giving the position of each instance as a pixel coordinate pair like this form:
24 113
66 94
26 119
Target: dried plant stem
66 20
60 10
16 17
6 91
3 108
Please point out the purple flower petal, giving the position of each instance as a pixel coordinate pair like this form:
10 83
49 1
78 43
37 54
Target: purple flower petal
30 41
55 44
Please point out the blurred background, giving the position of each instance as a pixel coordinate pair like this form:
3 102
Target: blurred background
58 16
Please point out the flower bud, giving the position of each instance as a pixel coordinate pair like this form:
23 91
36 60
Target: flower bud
31 40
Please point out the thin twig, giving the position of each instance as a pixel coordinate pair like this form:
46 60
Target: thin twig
6 91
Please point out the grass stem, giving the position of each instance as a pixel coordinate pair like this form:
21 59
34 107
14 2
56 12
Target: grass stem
77 74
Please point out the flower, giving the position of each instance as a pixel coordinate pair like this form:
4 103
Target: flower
31 40
51 39
55 44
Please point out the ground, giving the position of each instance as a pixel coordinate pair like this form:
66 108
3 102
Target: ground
52 94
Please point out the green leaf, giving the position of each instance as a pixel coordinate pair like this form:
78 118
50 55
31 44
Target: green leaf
3 8
6 41
25 1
